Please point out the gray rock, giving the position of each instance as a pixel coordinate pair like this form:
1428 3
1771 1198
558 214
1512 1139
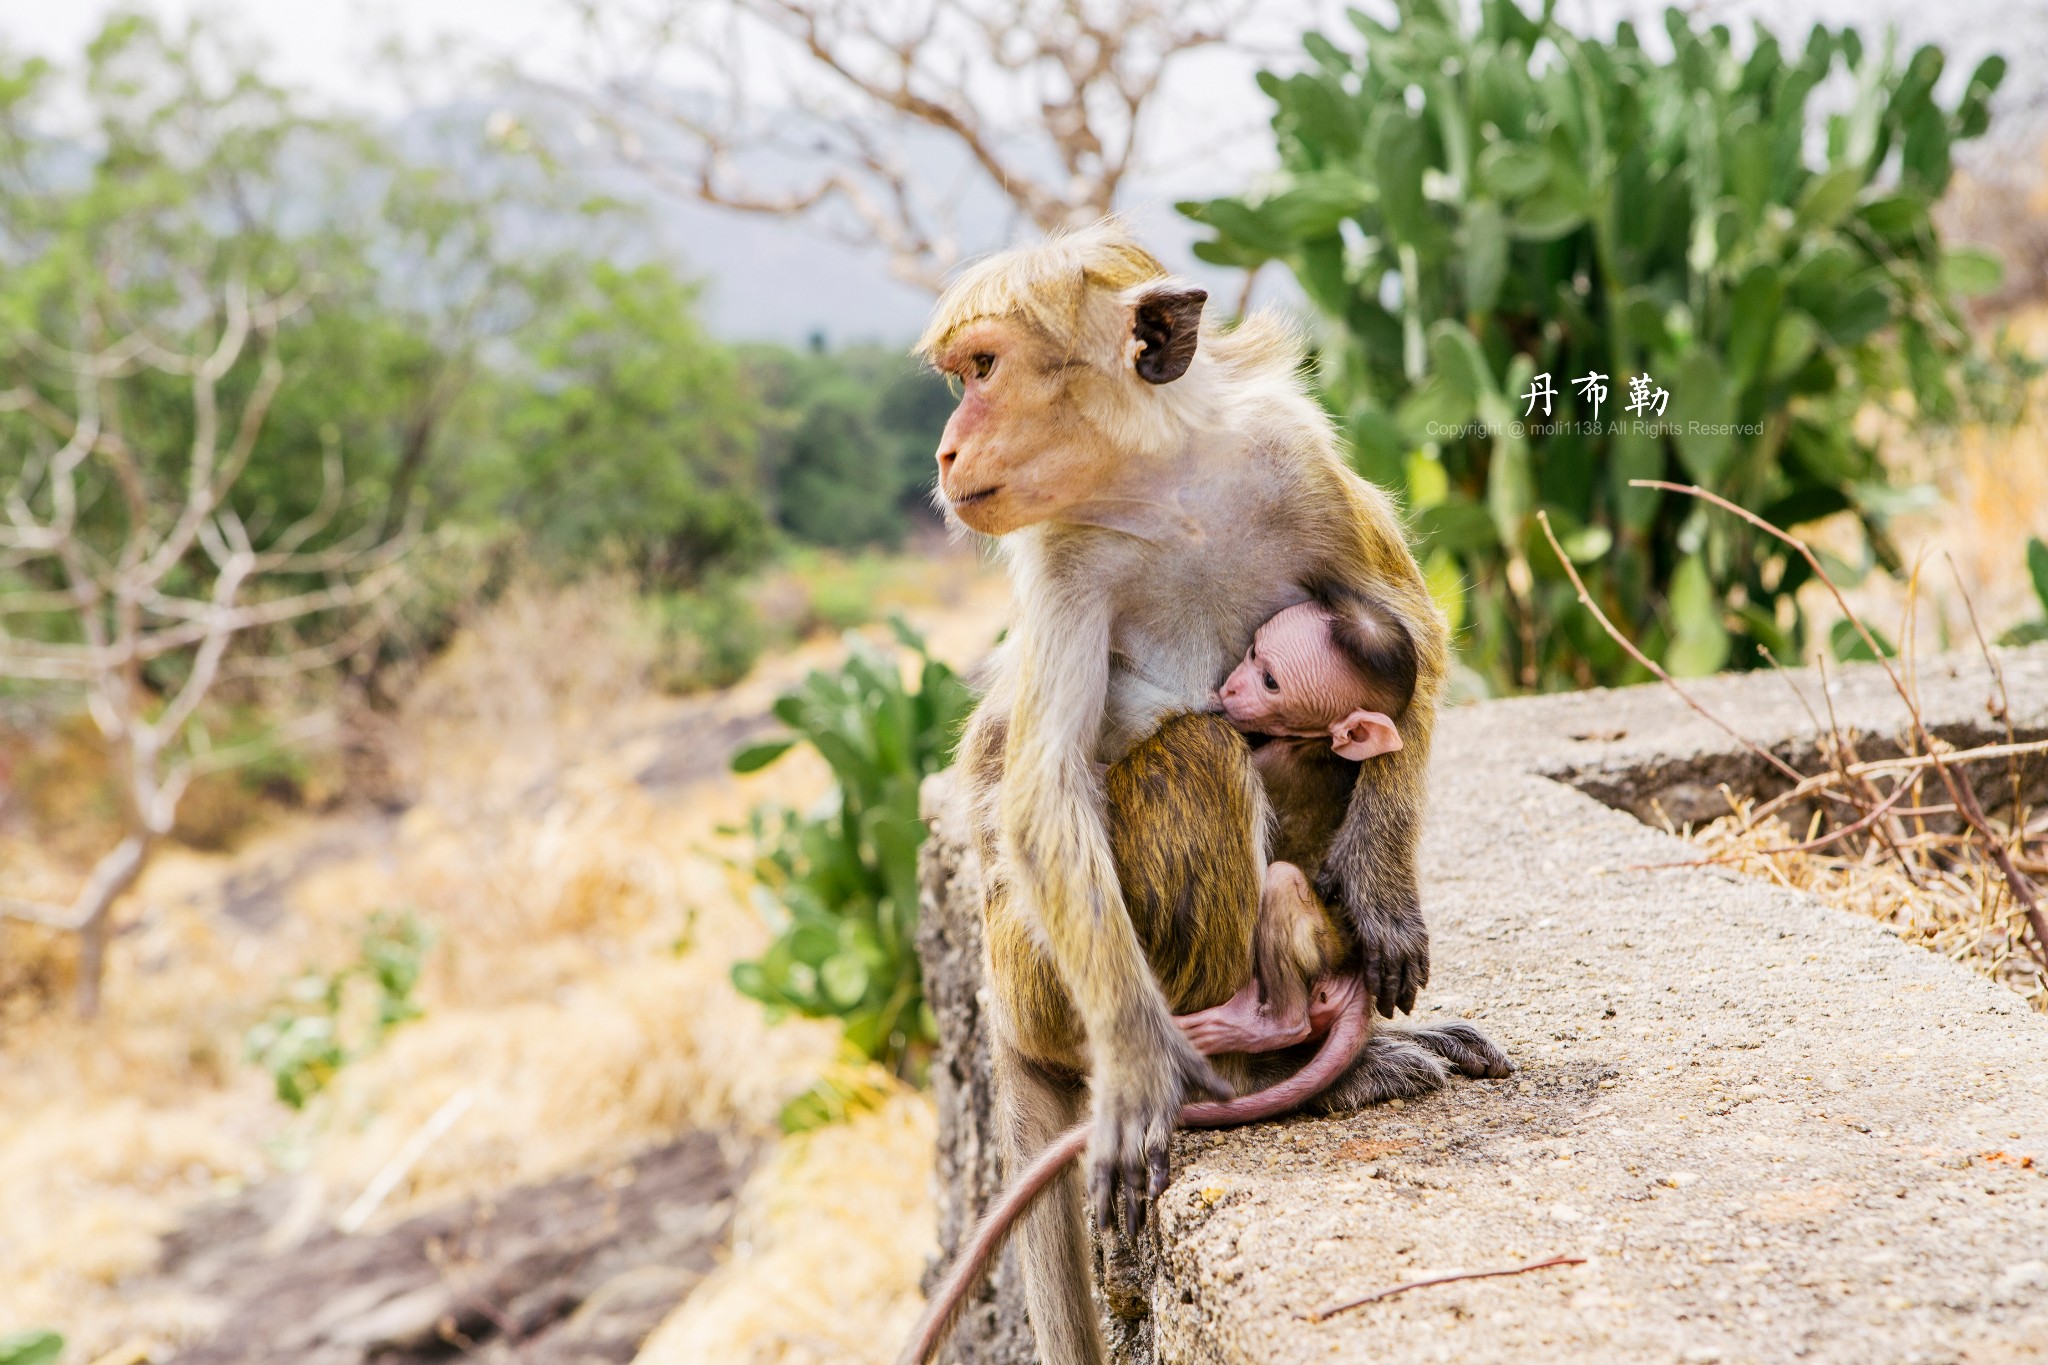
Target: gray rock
969 1171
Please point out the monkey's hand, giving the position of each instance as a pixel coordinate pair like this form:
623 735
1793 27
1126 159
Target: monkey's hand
1393 957
1139 1089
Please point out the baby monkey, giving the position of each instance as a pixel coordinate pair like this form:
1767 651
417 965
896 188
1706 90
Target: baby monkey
1318 691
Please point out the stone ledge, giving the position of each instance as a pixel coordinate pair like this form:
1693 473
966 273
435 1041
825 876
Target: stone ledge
1774 1131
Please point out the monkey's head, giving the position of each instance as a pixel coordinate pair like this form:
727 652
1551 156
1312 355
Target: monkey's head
1063 354
1345 672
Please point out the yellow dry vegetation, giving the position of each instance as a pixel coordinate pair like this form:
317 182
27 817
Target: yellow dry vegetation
1960 910
827 1249
577 1004
1991 486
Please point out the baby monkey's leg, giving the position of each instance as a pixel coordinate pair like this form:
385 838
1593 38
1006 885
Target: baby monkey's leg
1294 948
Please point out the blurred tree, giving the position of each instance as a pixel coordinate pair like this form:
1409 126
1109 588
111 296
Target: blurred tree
628 432
125 569
849 441
829 491
406 267
445 268
1048 103
233 341
447 291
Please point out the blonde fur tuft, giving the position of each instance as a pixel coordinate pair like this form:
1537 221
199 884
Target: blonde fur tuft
1044 285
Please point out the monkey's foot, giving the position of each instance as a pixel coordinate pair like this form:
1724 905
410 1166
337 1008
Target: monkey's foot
1470 1052
1243 1024
1328 997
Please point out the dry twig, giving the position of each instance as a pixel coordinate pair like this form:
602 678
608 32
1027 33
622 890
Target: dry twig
1809 846
1321 1314
1614 633
1987 840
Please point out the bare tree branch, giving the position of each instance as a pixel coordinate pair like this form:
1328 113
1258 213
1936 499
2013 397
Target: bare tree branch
110 876
1046 101
120 596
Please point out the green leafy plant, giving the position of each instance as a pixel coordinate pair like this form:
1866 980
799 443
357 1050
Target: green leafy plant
2032 632
333 1019
1847 643
30 1348
1482 207
839 885
853 1085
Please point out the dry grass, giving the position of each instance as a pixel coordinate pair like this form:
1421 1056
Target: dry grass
578 991
1967 550
1962 911
827 1250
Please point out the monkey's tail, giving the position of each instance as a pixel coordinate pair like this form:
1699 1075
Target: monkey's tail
949 1300
1339 1050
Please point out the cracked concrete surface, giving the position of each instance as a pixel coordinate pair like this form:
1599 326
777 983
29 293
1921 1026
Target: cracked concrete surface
1772 1130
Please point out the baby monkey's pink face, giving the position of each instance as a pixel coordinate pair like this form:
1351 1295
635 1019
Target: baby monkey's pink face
1294 681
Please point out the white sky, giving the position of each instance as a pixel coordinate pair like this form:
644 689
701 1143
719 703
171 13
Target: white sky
326 47
322 47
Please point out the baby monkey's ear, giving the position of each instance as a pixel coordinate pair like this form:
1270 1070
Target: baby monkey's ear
1364 734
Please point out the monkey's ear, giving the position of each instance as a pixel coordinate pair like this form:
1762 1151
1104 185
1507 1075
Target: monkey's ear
1164 324
1363 735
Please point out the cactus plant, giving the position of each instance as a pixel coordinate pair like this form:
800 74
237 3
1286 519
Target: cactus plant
2034 631
1486 210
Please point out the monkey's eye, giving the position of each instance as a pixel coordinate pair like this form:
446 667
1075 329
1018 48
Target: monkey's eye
1271 686
983 363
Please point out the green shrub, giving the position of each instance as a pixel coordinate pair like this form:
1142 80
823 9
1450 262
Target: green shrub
332 1019
2035 631
1476 205
630 437
840 886
852 1086
847 441
30 1348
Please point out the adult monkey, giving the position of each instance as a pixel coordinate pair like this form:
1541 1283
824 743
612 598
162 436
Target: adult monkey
1159 495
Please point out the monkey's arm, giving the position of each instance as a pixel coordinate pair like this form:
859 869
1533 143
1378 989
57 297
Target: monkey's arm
1370 872
1053 826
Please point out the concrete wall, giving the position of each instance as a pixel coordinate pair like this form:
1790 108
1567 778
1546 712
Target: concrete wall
1772 1130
